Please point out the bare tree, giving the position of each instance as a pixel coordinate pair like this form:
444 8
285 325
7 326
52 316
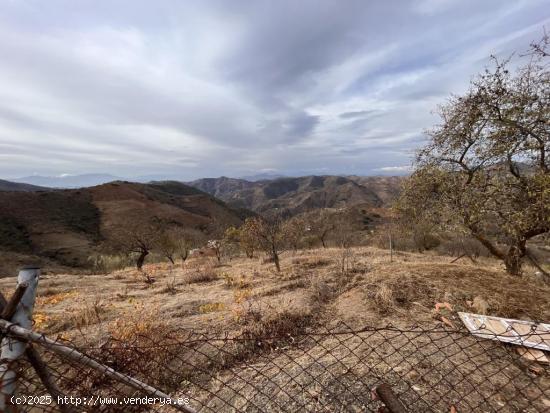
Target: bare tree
293 230
485 169
135 237
321 224
344 234
166 245
187 239
176 242
268 234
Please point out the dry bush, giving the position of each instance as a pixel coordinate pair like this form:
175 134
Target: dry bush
48 291
320 293
202 275
289 286
265 329
312 262
235 281
403 241
129 346
388 293
262 320
360 268
384 298
105 263
40 321
278 323
171 286
87 314
136 323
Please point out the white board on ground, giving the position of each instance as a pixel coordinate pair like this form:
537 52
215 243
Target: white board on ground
519 332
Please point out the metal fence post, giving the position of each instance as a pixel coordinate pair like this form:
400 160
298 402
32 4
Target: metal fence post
11 348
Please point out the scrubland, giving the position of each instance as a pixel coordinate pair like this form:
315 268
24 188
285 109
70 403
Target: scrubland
312 290
164 332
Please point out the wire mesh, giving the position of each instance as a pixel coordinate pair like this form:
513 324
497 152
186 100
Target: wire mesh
429 369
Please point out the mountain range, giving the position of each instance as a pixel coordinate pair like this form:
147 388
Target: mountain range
68 181
296 195
67 226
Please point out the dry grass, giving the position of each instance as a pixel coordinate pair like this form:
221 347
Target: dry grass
373 291
321 292
211 308
250 299
80 316
312 262
202 275
384 298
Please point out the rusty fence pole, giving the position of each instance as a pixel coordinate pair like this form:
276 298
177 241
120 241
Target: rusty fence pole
12 348
390 400
10 307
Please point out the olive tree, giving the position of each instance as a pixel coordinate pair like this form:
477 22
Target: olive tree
485 170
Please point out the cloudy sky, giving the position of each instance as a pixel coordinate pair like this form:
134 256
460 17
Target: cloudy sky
188 89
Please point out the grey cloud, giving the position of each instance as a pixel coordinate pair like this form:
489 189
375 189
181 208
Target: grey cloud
357 114
216 87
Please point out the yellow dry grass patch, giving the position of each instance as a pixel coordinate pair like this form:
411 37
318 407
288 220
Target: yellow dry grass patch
211 308
55 298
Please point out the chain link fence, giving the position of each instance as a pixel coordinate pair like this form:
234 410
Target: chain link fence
341 369
429 370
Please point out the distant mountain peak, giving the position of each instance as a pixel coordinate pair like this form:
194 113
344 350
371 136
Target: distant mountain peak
68 180
264 176
296 195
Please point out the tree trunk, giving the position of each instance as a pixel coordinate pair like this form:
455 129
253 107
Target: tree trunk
513 258
276 261
141 259
170 259
323 241
184 256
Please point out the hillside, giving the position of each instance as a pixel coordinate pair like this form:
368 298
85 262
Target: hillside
295 195
385 187
7 186
223 187
66 226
